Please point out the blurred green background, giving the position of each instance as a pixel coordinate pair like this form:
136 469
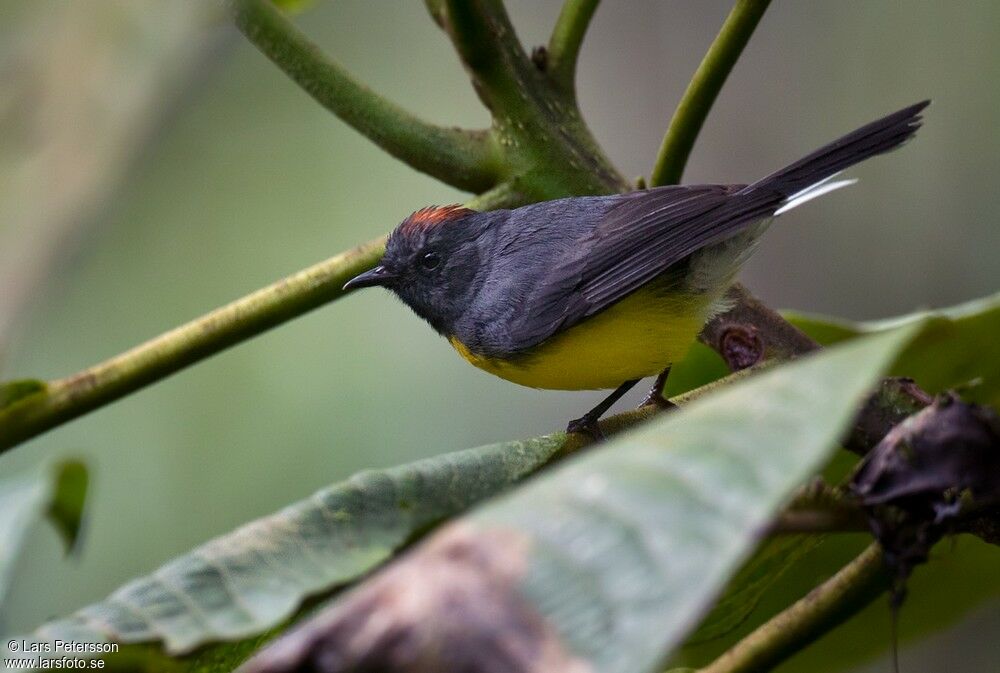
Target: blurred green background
153 166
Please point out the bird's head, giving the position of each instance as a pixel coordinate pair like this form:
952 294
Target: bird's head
431 262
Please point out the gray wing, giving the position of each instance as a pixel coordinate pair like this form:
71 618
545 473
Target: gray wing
642 234
639 237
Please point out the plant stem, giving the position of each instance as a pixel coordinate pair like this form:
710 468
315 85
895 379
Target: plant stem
703 89
567 37
488 46
62 400
71 397
853 587
548 151
464 159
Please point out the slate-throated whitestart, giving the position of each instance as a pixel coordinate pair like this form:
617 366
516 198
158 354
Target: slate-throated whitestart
593 291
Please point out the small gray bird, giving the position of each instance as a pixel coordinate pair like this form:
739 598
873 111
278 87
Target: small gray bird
590 292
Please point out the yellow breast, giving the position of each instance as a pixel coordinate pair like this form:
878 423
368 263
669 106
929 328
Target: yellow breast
637 337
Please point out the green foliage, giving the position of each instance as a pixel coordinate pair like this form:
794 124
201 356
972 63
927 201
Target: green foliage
67 501
343 532
625 548
254 579
969 328
57 494
959 348
753 581
15 391
294 5
629 544
960 578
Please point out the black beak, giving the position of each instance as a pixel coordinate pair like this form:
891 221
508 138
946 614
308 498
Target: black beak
377 276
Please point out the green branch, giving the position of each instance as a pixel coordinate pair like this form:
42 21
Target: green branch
703 89
65 399
488 46
567 37
548 151
42 407
464 159
853 587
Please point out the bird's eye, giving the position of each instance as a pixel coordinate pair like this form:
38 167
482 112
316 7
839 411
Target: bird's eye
430 260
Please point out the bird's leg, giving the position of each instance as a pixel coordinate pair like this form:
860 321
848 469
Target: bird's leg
587 423
655 394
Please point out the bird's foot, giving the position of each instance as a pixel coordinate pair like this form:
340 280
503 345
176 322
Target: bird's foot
586 425
655 395
655 399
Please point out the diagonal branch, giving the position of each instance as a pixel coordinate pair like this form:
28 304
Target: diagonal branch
65 399
855 586
41 407
567 37
464 159
703 89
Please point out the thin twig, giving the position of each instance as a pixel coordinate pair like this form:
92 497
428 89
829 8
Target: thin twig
464 159
567 37
702 90
853 587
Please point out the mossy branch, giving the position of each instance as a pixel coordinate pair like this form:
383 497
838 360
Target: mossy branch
703 89
567 38
464 159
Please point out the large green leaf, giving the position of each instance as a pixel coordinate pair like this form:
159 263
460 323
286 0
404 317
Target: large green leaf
641 536
56 493
964 333
751 583
956 346
622 550
965 349
959 347
255 578
435 489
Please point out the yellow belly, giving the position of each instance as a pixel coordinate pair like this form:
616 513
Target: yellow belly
637 337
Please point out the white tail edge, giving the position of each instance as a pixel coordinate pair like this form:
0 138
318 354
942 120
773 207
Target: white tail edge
822 187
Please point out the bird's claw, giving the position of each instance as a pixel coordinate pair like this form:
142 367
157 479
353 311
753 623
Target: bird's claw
586 425
656 399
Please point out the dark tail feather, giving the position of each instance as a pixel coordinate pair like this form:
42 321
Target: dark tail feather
880 136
